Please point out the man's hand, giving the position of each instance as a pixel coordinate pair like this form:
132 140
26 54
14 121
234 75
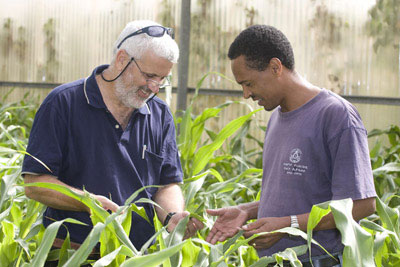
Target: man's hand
228 223
106 203
266 225
191 228
57 200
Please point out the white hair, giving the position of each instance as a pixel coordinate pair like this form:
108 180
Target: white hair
135 46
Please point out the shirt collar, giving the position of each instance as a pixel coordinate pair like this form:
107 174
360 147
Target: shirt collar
93 94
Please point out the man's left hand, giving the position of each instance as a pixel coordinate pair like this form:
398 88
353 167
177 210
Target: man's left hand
265 225
191 228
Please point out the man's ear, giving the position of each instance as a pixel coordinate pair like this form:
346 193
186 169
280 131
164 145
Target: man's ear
276 66
121 60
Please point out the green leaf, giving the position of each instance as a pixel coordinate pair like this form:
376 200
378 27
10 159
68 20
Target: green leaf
205 153
198 128
107 259
390 220
231 241
137 192
34 209
6 150
48 239
98 213
8 181
316 214
358 243
192 188
154 259
150 241
190 253
86 247
141 211
390 167
64 251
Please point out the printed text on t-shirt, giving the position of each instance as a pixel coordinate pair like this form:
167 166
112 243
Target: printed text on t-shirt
294 169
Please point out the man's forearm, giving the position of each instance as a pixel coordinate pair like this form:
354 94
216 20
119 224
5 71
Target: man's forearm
52 198
170 198
251 209
361 209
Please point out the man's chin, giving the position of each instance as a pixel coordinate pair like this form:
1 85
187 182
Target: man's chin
135 105
139 105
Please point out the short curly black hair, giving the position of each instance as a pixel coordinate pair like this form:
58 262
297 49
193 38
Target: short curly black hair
259 44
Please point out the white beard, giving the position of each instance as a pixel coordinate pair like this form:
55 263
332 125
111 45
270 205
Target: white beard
129 95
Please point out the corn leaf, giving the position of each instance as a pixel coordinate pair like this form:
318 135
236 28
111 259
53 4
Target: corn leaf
205 153
107 259
86 247
48 239
357 241
154 259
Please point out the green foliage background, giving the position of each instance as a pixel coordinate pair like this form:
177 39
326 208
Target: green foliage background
219 171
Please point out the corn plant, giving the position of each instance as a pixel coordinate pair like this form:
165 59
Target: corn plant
385 224
20 230
218 172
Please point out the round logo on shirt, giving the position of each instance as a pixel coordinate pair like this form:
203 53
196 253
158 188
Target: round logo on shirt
295 155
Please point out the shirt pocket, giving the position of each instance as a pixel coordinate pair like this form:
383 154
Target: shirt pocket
150 170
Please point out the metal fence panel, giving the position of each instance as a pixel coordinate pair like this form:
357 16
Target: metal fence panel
63 40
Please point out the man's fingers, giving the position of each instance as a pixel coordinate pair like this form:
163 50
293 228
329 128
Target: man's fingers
191 228
216 212
247 234
252 226
185 213
111 206
211 234
114 207
219 236
106 203
198 224
216 238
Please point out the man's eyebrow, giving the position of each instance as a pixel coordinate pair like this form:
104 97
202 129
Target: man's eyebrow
155 75
151 74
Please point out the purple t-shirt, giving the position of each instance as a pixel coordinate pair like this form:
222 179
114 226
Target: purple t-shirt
316 153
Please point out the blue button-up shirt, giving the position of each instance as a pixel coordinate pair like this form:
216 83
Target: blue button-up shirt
84 146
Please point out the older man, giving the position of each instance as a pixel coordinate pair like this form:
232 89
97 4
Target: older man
108 134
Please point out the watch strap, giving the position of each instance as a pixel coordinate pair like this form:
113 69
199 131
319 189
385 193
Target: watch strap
169 215
294 222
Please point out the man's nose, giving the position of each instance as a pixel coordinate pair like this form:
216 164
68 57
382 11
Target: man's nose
153 86
246 93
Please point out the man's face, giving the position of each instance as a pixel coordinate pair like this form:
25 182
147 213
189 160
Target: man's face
137 85
259 85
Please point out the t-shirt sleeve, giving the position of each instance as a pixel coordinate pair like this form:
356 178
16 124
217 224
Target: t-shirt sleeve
46 142
171 170
351 167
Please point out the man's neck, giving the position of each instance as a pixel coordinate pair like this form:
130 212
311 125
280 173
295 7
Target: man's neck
298 91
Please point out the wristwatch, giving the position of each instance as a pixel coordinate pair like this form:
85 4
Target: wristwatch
294 222
169 215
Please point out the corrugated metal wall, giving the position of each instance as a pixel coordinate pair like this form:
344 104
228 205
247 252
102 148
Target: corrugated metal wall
63 40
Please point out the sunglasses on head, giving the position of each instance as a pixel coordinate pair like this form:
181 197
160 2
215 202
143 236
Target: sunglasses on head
153 31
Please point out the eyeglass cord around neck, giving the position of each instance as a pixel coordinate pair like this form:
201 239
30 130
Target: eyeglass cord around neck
102 76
